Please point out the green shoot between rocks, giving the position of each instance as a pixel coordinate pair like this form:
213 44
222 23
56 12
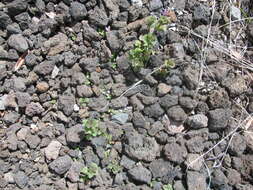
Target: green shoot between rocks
144 46
87 173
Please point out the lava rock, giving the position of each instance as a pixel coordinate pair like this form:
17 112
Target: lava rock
98 17
84 91
176 113
113 41
52 150
17 6
218 99
21 179
74 135
33 109
163 89
155 4
195 145
154 110
174 152
44 68
237 145
89 64
78 11
32 140
201 14
218 119
140 174
197 121
66 104
61 165
120 118
191 76
5 20
23 99
140 147
160 168
196 180
18 42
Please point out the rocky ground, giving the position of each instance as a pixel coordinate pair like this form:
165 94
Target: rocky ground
74 114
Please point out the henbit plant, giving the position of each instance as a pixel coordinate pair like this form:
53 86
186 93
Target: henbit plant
83 101
114 167
167 187
91 128
144 47
89 172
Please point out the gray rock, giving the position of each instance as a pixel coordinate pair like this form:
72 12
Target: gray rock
13 29
155 4
33 109
74 172
89 64
201 14
187 103
66 104
236 85
5 20
168 101
191 76
74 135
218 178
218 119
69 58
118 103
233 176
40 4
113 41
18 42
178 51
196 180
197 121
102 179
61 165
98 17
163 89
196 165
78 11
21 179
120 118
174 152
176 113
12 142
32 140
44 68
138 3
140 174
140 147
154 110
84 91
23 99
127 162
238 145
89 33
98 104
235 13
3 69
11 117
160 168
195 145
52 150
9 177
3 102
19 84
218 99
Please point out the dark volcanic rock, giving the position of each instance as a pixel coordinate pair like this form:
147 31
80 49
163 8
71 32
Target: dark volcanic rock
176 113
61 165
21 179
78 11
154 110
66 104
140 174
44 68
169 101
218 118
5 20
18 42
98 17
33 109
174 152
140 147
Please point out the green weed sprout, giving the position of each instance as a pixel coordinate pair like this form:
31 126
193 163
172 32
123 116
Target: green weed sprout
91 128
167 187
144 46
87 173
114 167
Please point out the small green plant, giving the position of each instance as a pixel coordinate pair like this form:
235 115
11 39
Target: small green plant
144 46
87 80
73 36
87 173
53 101
107 94
91 128
101 32
167 187
83 101
114 167
168 64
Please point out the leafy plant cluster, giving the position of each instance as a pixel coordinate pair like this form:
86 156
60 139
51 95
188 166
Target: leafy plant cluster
92 129
144 46
87 173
